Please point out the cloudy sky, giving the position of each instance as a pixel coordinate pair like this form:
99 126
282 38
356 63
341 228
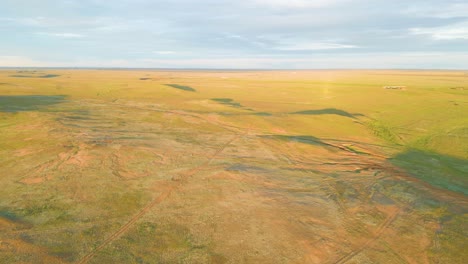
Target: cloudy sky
286 34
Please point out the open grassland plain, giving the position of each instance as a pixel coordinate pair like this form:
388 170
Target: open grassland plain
140 166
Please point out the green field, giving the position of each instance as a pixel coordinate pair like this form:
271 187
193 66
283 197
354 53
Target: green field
135 166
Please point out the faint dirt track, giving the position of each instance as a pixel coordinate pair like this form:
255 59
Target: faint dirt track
179 180
380 230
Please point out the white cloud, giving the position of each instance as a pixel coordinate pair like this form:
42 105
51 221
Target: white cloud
235 36
296 3
164 52
61 35
313 46
300 43
450 32
26 21
48 22
442 10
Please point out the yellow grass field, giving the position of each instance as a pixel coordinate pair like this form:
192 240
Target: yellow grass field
146 166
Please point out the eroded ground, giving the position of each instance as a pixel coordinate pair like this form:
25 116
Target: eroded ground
233 167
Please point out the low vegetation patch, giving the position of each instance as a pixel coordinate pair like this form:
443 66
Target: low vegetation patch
382 131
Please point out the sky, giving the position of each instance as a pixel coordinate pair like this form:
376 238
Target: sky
242 34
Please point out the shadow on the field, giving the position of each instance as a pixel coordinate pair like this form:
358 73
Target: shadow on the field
311 140
439 170
182 87
21 103
327 111
45 76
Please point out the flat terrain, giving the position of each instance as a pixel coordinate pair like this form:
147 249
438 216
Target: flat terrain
100 166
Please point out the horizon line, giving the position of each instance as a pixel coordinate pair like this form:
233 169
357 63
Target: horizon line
227 69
